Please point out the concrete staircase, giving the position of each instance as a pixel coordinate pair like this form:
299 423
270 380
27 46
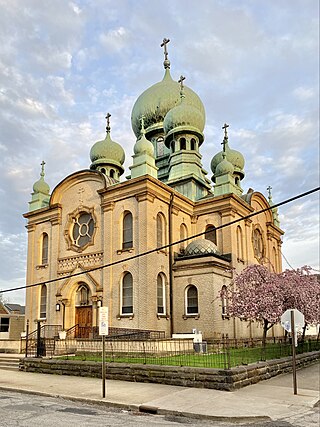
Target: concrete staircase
10 362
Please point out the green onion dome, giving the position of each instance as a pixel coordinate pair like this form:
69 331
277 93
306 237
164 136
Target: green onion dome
41 186
155 102
143 145
232 156
224 166
107 151
184 118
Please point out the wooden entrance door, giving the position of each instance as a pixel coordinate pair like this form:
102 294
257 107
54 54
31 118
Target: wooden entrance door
84 321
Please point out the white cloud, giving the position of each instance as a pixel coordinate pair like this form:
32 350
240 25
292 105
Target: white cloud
115 40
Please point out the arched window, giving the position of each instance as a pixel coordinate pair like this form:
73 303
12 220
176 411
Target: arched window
182 143
43 302
83 295
112 173
160 146
183 235
160 230
193 144
44 248
192 300
211 233
127 240
224 301
103 170
239 243
172 146
127 294
161 294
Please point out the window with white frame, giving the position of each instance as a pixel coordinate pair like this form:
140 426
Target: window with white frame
192 300
160 230
161 294
44 248
43 302
127 294
4 324
127 231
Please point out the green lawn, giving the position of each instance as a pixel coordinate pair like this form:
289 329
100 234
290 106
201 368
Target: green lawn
212 359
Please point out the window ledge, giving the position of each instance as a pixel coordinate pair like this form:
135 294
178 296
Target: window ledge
195 316
125 316
41 266
120 251
163 316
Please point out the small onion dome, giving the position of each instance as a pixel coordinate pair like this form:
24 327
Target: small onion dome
233 156
184 118
155 102
143 145
224 167
41 186
201 247
107 151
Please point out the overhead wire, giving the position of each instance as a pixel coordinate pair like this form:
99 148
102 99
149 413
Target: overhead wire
299 196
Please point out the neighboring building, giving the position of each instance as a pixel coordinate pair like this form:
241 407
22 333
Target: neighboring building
92 219
11 321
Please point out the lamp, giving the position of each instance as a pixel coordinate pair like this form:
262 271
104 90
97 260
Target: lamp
58 306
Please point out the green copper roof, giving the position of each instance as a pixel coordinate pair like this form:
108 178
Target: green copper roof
155 102
184 118
201 247
233 156
41 186
107 151
143 145
224 166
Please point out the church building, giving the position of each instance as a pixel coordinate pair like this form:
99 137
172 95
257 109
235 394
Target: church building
155 247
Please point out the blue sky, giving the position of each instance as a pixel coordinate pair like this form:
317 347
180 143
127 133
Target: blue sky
64 64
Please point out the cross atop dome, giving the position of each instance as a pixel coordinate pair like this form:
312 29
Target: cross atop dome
166 62
108 122
225 139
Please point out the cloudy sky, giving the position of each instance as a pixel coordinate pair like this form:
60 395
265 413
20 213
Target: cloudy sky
64 64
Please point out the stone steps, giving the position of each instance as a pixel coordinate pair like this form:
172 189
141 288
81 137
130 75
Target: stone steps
9 363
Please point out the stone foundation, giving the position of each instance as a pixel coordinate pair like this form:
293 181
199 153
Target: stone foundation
229 379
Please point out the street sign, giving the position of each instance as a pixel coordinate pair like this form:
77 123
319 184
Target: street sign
103 321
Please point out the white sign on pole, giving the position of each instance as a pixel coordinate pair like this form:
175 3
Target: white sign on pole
103 321
298 322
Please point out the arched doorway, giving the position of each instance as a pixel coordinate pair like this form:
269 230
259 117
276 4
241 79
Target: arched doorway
83 311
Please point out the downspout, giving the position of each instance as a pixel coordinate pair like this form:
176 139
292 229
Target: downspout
170 265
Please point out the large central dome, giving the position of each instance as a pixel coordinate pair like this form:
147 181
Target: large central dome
155 102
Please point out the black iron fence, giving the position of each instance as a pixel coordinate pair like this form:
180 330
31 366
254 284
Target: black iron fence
221 354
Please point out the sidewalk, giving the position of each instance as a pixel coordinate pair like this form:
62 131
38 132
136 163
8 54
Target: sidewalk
270 399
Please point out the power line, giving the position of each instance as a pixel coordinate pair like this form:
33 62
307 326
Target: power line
299 196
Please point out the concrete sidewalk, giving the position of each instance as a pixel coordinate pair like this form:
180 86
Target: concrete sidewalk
270 399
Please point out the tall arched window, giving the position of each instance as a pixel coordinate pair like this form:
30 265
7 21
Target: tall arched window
211 233
127 294
193 144
183 235
43 302
161 294
160 230
224 301
172 146
127 240
44 248
192 300
239 243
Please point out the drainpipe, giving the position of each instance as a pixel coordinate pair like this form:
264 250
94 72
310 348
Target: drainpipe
170 265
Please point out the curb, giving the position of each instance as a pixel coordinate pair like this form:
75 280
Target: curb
143 408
